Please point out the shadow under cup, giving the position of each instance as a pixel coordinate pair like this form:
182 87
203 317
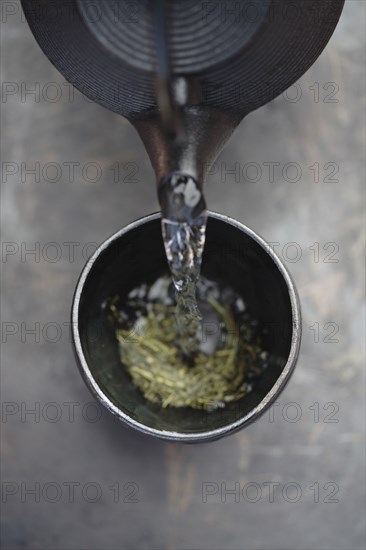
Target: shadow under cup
233 255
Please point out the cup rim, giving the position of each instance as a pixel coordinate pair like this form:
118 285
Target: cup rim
207 435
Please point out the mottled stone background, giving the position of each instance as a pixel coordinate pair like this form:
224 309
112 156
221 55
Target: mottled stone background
322 452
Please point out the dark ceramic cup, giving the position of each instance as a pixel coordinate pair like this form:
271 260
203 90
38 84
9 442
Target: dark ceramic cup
234 255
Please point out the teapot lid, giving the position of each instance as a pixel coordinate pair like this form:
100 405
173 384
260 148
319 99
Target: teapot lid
236 56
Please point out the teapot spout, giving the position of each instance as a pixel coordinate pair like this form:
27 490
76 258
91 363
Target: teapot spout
203 133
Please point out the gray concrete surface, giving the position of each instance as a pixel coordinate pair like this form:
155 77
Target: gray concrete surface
322 452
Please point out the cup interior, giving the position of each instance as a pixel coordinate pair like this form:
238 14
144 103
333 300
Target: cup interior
233 255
